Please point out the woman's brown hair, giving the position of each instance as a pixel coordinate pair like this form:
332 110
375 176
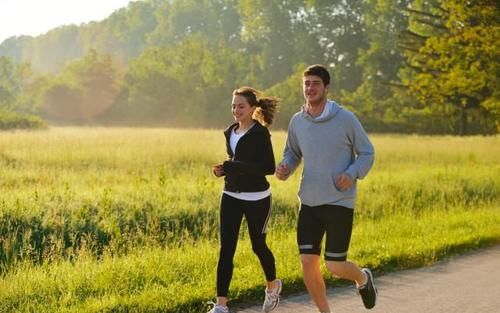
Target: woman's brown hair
266 106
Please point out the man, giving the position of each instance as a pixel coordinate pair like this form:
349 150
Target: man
336 152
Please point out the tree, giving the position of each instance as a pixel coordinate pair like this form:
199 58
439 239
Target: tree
289 91
18 89
85 89
458 61
189 84
124 33
19 86
216 20
340 29
10 82
379 100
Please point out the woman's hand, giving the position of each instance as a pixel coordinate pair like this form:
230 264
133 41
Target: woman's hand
218 170
282 172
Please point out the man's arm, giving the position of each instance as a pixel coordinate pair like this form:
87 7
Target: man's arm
292 155
365 153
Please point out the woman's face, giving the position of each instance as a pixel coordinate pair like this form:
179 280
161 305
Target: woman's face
241 109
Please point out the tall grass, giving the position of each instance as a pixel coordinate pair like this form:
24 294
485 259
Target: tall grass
125 220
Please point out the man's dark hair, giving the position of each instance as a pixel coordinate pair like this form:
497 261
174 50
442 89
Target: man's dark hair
318 70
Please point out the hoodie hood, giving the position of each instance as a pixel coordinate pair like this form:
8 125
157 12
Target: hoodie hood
330 110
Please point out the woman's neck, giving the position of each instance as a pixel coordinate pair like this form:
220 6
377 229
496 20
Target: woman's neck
243 126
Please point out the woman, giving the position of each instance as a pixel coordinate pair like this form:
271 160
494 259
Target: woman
246 191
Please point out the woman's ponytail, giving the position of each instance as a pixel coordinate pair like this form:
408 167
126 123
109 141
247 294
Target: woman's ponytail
266 106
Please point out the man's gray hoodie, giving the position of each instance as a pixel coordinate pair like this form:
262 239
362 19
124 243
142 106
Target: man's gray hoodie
330 144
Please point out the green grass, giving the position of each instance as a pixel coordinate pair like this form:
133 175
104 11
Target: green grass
181 279
125 220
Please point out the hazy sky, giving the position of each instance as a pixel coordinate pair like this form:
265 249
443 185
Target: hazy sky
34 17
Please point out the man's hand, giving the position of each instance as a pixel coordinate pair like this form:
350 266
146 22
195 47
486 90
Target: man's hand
282 172
344 182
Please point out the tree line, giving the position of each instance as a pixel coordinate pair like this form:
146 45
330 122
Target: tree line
410 66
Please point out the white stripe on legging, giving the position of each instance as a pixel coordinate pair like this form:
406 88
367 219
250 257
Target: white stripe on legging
264 229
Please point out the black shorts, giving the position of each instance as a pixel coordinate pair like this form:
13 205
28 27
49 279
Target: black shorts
336 221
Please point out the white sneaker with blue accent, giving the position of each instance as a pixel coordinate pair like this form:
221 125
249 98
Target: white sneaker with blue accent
218 308
272 297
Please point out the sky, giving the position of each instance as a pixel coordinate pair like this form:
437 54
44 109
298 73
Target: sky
35 17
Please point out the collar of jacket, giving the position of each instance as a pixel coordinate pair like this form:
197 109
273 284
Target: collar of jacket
256 128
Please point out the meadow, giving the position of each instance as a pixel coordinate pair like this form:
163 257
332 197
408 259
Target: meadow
126 219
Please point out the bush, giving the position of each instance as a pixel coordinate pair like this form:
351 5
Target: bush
14 120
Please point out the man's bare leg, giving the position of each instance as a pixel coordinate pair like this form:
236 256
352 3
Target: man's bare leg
314 281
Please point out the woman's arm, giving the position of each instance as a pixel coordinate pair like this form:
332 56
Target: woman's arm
263 165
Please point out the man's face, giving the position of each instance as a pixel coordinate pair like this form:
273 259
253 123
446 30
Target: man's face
313 88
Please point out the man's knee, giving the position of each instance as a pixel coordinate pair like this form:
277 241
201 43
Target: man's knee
337 268
309 261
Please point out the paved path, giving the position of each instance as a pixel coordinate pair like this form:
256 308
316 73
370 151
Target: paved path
461 284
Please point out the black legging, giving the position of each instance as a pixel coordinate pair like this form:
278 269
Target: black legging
231 213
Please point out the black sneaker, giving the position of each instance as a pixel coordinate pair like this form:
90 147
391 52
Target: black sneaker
369 291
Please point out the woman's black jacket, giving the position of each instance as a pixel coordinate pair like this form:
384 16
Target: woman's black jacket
246 169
